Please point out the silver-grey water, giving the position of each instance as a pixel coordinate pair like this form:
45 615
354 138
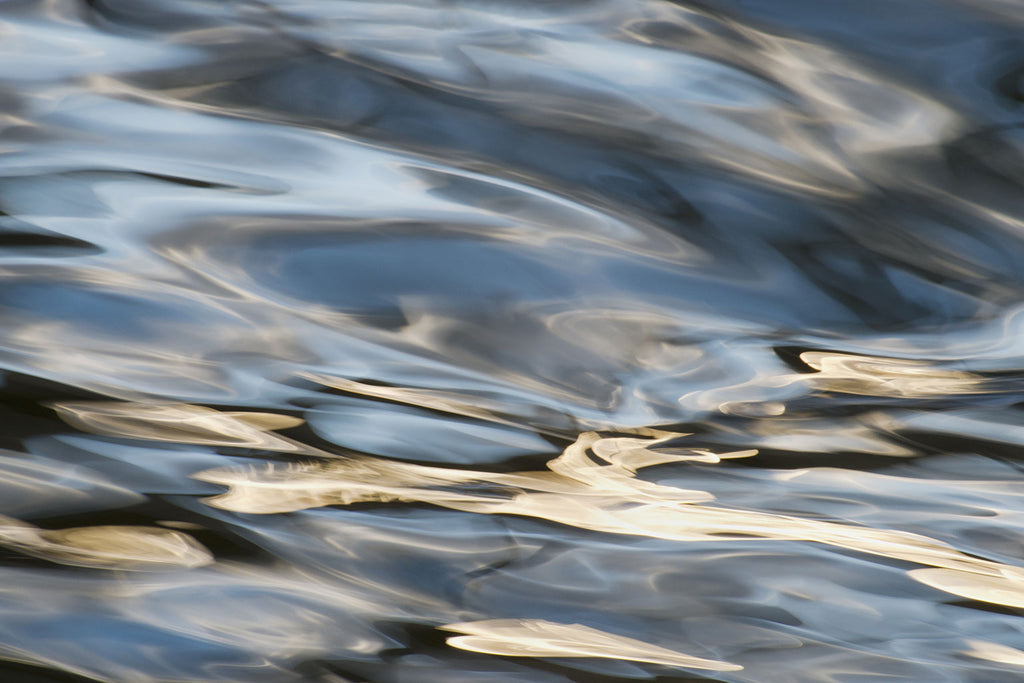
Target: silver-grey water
489 341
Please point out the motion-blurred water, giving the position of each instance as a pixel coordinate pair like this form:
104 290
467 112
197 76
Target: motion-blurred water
511 341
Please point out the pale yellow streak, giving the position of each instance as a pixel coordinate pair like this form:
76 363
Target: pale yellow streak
993 652
538 638
106 547
446 402
1005 587
865 434
183 423
636 453
616 476
591 485
873 376
574 477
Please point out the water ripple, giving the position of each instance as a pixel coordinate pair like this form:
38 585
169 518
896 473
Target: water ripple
429 342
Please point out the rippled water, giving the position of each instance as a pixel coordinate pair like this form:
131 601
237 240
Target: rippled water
498 341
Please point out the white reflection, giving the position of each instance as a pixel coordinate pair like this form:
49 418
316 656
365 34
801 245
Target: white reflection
994 652
538 638
1002 585
106 547
872 376
183 423
592 485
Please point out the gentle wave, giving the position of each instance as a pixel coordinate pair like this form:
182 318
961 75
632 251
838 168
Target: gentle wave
511 341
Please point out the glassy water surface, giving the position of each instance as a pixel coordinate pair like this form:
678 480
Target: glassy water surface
488 341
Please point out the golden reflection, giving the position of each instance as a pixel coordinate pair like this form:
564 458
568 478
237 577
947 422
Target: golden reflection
631 453
1001 584
106 547
876 376
183 423
538 638
993 652
592 485
466 405
753 408
867 433
574 479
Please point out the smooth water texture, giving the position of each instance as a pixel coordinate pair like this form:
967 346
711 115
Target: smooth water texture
459 341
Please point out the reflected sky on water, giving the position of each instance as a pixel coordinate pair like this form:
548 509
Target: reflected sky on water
544 342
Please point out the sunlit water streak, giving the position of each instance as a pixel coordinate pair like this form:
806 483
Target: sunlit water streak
472 340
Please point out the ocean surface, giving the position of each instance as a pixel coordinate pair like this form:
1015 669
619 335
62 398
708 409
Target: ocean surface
511 341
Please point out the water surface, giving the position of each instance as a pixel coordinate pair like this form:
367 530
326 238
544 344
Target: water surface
448 341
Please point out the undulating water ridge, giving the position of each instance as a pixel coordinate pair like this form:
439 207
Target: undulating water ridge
451 341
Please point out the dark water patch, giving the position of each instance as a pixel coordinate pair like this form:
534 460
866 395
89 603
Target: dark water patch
26 673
